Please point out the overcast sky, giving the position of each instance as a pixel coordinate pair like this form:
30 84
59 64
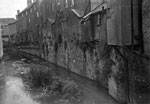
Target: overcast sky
8 8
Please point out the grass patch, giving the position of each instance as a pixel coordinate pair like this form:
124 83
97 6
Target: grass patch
44 79
38 78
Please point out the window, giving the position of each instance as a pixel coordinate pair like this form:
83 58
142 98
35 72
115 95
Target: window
37 14
29 20
63 26
47 6
58 3
66 3
22 14
26 12
72 3
34 7
53 8
31 10
65 45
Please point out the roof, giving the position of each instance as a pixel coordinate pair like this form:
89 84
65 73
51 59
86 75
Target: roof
96 10
5 21
79 13
51 20
13 22
28 7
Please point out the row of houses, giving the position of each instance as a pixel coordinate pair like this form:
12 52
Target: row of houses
88 37
8 28
9 32
4 34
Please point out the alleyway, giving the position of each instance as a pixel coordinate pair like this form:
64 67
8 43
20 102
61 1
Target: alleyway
12 89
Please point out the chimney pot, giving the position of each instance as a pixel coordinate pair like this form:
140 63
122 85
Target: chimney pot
18 11
29 2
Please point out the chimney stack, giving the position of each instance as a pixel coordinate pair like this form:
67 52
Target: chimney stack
18 11
29 2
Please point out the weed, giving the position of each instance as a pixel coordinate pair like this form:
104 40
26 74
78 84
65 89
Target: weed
38 78
52 85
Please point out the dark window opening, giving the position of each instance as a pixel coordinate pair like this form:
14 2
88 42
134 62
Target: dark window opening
65 45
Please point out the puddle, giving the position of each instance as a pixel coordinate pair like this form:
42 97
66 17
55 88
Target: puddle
14 92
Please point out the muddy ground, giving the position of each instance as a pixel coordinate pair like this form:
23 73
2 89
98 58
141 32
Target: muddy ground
14 91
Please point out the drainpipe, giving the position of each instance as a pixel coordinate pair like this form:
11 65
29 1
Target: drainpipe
131 56
141 27
139 4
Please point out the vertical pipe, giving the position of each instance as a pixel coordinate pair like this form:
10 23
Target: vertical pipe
131 56
84 63
140 25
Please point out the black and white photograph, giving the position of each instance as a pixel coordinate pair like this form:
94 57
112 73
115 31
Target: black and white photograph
74 51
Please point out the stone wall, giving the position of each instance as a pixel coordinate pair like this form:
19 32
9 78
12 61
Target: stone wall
83 49
91 58
146 29
146 26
